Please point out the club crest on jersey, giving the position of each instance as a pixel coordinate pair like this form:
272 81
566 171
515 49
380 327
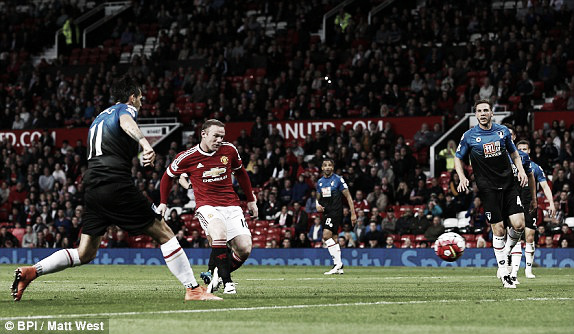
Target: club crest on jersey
488 215
224 160
214 174
500 134
491 149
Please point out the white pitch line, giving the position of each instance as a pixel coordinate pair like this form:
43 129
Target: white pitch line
259 308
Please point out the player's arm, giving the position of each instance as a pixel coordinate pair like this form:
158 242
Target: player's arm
164 190
548 193
522 178
184 181
347 195
532 185
245 184
463 185
130 127
319 207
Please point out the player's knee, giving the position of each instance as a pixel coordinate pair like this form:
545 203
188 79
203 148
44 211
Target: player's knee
243 251
87 256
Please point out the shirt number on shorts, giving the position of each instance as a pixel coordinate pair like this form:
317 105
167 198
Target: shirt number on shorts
328 222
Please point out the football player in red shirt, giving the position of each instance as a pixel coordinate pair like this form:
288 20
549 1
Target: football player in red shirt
209 166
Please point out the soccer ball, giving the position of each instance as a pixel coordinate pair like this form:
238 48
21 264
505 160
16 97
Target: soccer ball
449 246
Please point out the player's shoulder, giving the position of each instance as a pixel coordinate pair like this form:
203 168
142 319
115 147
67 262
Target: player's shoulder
187 153
227 146
126 108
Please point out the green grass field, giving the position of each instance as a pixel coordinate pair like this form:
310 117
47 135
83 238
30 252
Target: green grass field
147 299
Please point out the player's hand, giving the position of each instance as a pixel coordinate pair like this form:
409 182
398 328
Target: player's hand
523 179
551 210
253 210
148 156
463 185
161 209
353 219
319 207
533 206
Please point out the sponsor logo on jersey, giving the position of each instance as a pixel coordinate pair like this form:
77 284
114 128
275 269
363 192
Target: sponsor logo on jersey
488 215
214 174
200 165
478 139
491 149
224 160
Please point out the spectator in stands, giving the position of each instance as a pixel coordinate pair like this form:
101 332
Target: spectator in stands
373 236
435 230
286 193
302 241
403 194
29 239
389 242
198 241
486 90
7 239
407 243
174 221
361 203
285 218
451 207
448 154
300 189
566 235
310 206
420 223
316 231
548 242
422 137
420 194
405 222
119 241
477 215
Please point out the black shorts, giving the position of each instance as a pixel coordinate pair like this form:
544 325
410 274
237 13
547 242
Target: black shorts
116 204
332 222
500 204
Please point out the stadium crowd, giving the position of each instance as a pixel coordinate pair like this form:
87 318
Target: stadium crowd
432 61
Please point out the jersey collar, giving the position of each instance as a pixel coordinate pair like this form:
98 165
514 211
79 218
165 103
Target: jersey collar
209 154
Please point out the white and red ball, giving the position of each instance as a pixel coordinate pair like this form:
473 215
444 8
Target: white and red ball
449 246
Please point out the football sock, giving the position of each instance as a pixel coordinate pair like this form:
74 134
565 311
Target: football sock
236 262
529 255
222 259
513 237
334 250
58 261
498 246
177 262
211 263
516 255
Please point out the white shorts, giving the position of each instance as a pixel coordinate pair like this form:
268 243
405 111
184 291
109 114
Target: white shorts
231 215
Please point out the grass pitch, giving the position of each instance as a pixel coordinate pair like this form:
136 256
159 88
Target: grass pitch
148 299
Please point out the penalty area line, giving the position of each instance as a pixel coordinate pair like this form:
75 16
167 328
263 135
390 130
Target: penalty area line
263 308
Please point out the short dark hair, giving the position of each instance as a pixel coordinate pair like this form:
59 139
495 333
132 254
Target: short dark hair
480 101
124 88
211 122
330 160
510 127
523 142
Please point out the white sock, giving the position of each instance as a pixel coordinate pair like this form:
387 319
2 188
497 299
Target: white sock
529 255
516 254
60 260
498 246
334 250
513 237
177 262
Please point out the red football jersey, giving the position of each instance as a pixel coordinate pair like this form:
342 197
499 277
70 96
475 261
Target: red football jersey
209 173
